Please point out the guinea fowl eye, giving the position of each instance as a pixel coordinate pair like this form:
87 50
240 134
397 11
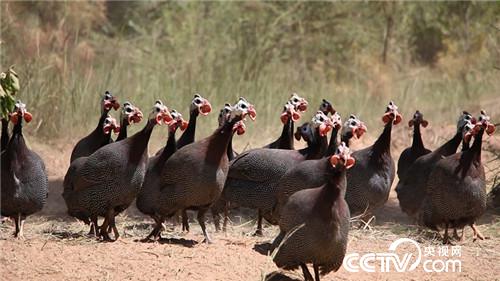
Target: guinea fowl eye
295 100
243 106
157 109
353 123
197 101
128 109
321 119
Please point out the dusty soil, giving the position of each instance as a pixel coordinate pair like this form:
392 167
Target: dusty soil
57 248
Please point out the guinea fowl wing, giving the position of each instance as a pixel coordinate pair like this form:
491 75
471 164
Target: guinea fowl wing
99 169
262 165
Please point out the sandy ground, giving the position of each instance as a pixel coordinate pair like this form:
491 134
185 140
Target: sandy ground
57 248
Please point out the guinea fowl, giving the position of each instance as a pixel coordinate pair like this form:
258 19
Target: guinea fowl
254 175
314 224
199 105
110 178
313 173
109 125
150 188
369 182
97 138
24 178
456 195
194 176
417 149
291 114
129 115
411 189
219 206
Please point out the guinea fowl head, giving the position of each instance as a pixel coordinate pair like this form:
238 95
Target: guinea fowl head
241 109
418 119
469 130
224 115
483 122
293 108
108 102
177 121
342 157
336 121
326 107
298 102
353 127
289 112
130 113
160 113
320 122
109 125
391 114
323 123
464 119
20 112
200 105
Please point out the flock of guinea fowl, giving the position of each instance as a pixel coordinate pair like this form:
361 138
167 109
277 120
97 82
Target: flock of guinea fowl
309 193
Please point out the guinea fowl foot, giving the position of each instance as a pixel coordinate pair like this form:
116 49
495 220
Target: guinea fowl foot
155 234
105 235
476 233
258 233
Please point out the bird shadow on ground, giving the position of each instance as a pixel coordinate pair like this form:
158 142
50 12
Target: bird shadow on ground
189 243
279 276
66 234
263 248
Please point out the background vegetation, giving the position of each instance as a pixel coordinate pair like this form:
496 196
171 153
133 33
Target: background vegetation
436 57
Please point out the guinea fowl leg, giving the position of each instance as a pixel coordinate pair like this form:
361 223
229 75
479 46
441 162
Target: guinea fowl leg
201 221
185 221
476 233
19 222
226 217
156 233
112 226
104 227
305 271
258 232
94 227
216 218
316 272
21 228
446 237
460 238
